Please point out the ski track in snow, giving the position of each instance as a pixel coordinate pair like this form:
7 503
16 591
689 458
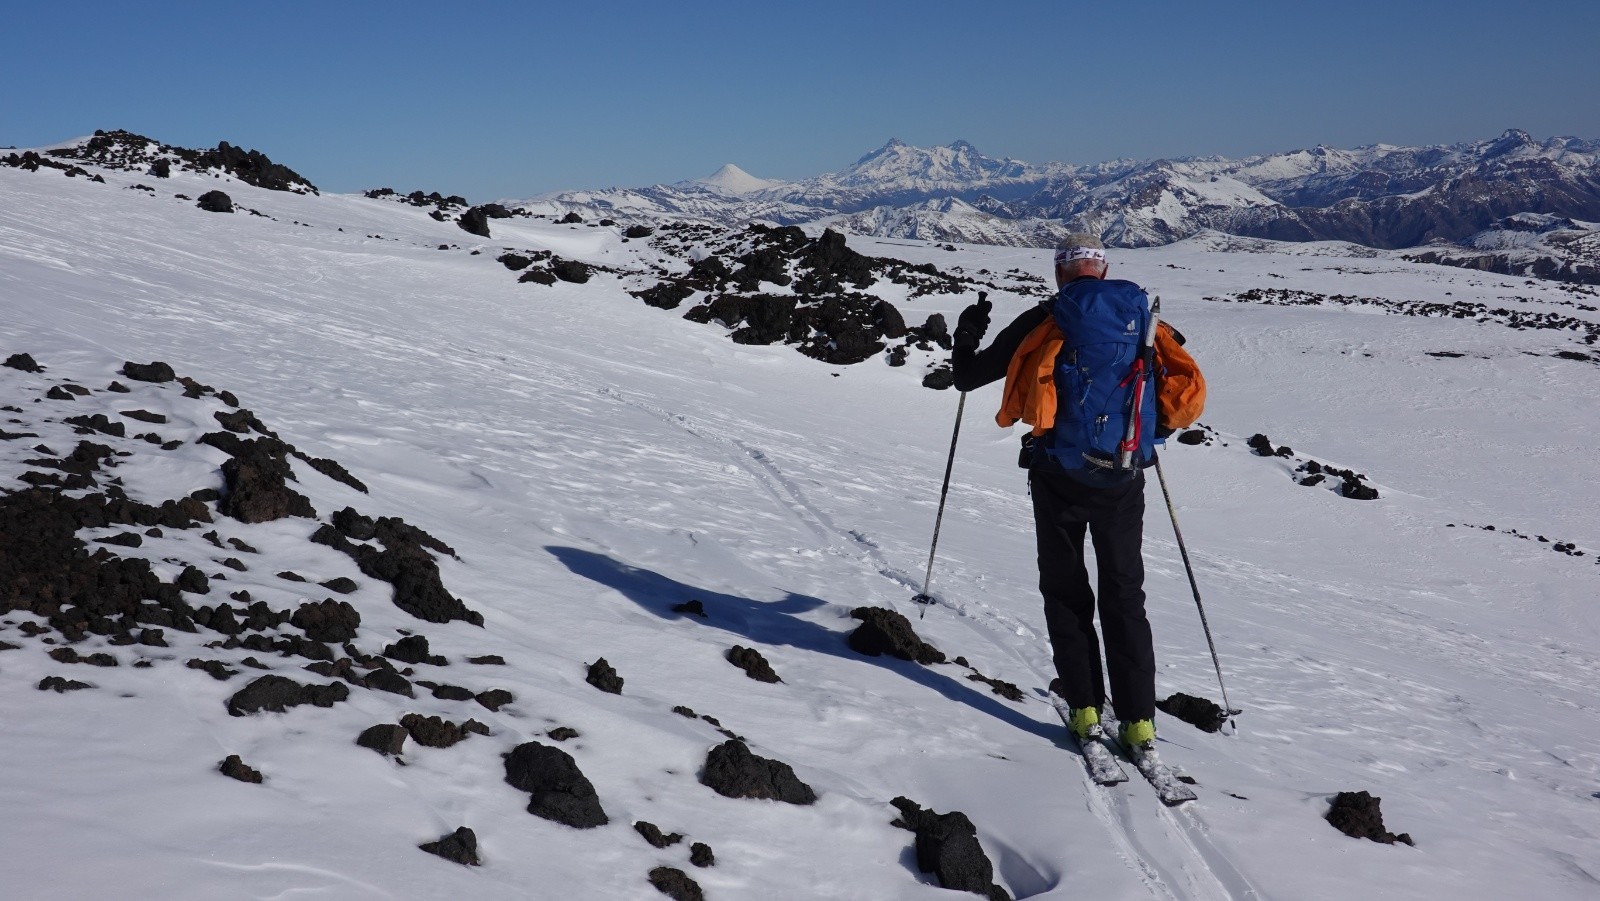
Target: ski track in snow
1190 867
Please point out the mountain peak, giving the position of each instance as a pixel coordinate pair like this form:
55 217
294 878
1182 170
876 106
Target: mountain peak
730 179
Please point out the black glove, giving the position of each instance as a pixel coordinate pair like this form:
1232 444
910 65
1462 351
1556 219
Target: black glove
973 323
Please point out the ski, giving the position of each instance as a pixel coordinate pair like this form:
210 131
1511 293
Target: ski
1169 785
1103 766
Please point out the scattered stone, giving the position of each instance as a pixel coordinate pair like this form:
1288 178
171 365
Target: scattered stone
884 631
559 791
690 608
235 768
389 681
122 539
449 692
355 526
333 470
732 771
603 677
437 732
676 884
70 655
571 271
495 698
1200 713
460 846
939 378
149 372
475 222
385 738
638 231
341 585
488 660
754 665
564 733
1000 687
216 669
278 694
327 620
701 855
289 576
23 362
257 478
413 649
1357 815
652 834
215 202
947 846
60 685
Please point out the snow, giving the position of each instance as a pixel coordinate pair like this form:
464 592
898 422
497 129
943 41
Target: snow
595 461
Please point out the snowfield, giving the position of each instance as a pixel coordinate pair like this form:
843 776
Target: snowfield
594 462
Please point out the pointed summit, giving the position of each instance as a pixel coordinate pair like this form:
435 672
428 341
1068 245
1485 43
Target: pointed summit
730 179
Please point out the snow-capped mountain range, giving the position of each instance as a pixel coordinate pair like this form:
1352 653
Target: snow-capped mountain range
1379 196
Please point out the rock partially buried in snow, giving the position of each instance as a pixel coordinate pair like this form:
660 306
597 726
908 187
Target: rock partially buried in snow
235 768
734 772
676 884
947 846
460 846
1357 815
278 694
754 665
215 202
603 677
1200 713
884 631
559 790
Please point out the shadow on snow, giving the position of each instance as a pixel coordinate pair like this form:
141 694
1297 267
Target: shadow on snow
776 623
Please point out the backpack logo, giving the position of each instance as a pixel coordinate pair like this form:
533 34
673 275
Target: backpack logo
1133 327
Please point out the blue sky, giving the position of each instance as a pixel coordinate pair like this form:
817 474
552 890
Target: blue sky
497 100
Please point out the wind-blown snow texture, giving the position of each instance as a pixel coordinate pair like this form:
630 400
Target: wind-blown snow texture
594 462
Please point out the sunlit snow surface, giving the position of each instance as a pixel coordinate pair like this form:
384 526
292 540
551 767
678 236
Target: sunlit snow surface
595 461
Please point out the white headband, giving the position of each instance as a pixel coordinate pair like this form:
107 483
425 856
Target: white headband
1067 254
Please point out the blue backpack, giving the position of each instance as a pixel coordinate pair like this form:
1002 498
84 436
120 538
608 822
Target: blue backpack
1104 380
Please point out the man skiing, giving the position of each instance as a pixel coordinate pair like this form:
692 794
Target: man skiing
1079 491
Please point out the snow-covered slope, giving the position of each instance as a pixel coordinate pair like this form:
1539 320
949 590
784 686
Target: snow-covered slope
594 462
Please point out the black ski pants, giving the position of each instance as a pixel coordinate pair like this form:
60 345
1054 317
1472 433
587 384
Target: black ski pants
1063 511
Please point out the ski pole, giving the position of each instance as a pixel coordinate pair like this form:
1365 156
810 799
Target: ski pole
924 599
1230 712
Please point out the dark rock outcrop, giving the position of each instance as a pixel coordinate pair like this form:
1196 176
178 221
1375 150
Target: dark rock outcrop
235 768
947 846
460 846
278 694
385 738
754 665
215 202
327 620
603 677
676 884
1357 815
732 771
884 631
559 791
475 221
1200 713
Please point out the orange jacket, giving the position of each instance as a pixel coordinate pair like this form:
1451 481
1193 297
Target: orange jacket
1030 391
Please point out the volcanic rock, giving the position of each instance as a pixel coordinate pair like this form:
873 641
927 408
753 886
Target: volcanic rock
559 791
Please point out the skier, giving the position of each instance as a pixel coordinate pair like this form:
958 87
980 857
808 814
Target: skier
1071 501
